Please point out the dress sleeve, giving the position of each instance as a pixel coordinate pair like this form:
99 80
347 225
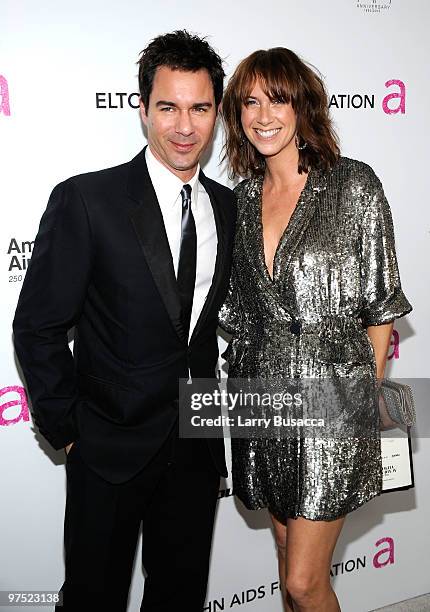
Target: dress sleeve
382 297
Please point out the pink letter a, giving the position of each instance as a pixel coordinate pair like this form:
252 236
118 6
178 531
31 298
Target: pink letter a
395 343
22 401
402 95
4 95
389 550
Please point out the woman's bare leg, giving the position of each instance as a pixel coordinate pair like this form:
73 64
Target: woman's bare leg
309 552
280 532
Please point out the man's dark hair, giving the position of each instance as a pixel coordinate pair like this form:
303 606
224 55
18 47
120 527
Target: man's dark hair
179 50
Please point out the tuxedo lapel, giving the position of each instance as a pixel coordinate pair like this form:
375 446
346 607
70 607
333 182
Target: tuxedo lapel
220 223
149 226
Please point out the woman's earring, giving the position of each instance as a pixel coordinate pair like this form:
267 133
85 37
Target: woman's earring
300 147
242 140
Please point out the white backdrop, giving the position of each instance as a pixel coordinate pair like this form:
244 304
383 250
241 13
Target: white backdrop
54 58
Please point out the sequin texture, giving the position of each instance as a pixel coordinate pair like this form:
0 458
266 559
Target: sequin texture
335 273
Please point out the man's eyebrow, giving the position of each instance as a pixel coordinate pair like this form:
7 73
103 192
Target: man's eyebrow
196 105
165 103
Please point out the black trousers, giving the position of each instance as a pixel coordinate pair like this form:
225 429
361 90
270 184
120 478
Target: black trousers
174 497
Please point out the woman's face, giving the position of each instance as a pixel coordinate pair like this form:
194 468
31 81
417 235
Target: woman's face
269 125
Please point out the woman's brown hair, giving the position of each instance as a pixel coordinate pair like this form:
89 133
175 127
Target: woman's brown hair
283 76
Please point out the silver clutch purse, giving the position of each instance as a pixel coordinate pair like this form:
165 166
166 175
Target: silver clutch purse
396 404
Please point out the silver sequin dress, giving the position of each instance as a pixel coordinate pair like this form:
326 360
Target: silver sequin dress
334 273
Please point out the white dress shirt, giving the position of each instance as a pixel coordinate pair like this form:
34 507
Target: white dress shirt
167 188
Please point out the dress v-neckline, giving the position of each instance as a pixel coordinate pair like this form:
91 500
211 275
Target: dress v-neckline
285 231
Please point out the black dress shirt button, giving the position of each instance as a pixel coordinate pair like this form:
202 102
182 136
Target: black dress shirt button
295 327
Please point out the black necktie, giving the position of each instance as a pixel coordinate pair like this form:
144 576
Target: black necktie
187 259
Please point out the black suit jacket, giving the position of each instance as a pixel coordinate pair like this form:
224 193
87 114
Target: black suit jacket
102 263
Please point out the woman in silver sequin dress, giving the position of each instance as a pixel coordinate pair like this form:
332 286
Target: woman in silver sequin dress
314 291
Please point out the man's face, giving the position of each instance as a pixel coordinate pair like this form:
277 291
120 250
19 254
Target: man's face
180 118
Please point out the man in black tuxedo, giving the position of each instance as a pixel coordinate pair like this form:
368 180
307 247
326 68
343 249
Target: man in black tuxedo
137 259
